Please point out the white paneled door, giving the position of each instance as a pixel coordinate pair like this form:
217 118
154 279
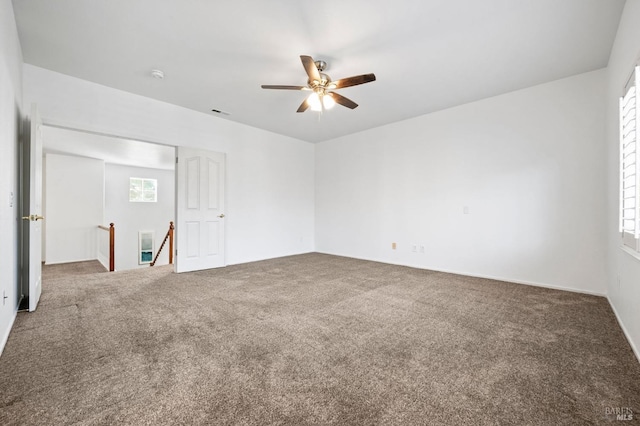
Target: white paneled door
200 202
32 212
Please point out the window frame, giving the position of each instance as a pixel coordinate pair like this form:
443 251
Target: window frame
629 227
142 190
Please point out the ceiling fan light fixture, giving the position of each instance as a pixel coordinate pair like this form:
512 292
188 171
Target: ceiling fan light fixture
314 102
328 101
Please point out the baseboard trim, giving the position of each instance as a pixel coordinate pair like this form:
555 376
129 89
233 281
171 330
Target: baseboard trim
488 277
104 261
260 259
62 262
635 350
530 283
5 337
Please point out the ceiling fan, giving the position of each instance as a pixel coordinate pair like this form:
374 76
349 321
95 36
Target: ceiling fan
321 85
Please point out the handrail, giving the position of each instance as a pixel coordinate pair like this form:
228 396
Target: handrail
170 237
112 245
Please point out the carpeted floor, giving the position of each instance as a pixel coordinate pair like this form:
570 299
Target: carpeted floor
62 270
314 339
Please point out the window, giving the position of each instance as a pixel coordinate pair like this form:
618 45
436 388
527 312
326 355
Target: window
143 190
630 164
145 246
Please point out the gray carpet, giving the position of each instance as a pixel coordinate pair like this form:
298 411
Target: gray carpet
314 339
61 270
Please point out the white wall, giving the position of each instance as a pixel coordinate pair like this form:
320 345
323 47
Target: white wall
130 218
270 178
74 207
528 165
10 128
624 270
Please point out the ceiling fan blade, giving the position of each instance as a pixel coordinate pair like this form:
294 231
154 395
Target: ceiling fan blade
276 86
353 81
310 68
343 100
303 106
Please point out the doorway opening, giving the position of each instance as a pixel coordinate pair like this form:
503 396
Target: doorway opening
91 181
146 190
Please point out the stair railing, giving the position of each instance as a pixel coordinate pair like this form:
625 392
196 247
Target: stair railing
169 237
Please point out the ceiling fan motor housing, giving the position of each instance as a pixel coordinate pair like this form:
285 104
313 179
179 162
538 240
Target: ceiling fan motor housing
321 65
324 82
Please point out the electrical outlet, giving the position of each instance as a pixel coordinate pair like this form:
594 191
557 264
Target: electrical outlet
465 210
421 249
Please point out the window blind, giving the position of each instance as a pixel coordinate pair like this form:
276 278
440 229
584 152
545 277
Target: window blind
630 160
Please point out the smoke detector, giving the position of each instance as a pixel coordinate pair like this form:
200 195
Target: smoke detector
157 74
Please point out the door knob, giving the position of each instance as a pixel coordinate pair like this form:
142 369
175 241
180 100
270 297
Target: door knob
33 217
221 215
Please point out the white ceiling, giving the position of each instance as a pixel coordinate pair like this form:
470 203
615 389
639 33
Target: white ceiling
427 54
110 149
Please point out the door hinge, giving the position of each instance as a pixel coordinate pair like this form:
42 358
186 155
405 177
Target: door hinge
176 160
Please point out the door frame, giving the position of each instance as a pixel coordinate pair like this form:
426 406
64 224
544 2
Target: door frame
53 123
31 211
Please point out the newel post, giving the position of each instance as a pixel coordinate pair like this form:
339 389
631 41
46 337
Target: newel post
171 243
112 247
